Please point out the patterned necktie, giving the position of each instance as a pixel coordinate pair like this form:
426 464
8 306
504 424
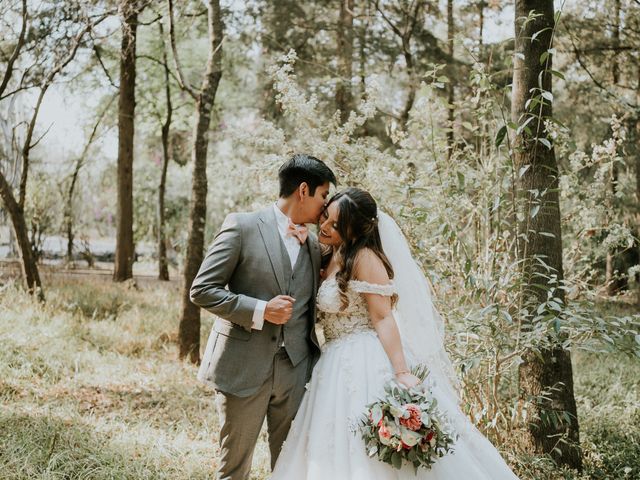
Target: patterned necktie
298 231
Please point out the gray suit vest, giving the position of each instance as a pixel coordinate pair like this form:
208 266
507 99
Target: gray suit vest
299 286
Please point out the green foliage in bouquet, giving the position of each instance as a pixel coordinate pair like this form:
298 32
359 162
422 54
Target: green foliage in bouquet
405 426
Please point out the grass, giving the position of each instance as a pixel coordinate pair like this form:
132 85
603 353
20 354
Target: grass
90 388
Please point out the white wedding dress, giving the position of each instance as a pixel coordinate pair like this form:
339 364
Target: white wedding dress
353 368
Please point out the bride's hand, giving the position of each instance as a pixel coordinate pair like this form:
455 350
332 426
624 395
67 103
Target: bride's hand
407 379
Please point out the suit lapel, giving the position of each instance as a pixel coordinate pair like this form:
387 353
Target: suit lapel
314 253
271 237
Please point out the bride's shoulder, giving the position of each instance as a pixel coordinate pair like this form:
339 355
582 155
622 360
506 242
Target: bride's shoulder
368 267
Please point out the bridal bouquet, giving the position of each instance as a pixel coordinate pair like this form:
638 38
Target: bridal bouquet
406 426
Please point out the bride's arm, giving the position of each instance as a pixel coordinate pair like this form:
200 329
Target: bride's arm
369 268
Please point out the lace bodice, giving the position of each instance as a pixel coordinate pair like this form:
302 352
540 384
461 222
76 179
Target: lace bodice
337 323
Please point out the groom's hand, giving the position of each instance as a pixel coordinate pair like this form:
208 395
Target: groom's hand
279 309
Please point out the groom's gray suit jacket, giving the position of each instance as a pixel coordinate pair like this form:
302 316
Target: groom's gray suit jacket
248 262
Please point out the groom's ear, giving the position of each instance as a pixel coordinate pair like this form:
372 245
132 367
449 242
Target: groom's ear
303 190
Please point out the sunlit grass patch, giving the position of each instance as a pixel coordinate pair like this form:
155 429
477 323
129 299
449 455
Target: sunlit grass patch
92 395
49 446
103 396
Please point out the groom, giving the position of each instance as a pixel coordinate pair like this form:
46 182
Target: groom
260 278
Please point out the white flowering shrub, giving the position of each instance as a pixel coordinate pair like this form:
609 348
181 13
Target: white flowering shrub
598 205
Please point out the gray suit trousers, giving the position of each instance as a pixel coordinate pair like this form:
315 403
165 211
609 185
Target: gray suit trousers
241 418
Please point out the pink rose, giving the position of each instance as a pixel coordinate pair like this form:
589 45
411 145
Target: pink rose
414 421
384 431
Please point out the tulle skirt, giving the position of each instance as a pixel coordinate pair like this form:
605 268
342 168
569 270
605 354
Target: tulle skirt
323 443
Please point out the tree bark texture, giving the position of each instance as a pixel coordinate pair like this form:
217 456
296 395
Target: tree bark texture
481 5
163 266
450 86
545 377
344 94
123 268
189 329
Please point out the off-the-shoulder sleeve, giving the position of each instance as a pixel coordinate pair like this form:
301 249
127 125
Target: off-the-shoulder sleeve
365 287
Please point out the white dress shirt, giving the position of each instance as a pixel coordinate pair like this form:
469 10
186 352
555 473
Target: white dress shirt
292 245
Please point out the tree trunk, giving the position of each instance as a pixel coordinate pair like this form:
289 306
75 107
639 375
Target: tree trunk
481 6
413 83
68 214
28 262
450 87
344 94
163 267
189 329
612 280
615 68
362 51
123 268
545 376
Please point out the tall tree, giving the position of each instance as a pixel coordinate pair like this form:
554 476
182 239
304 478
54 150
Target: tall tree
344 94
15 207
123 268
613 284
450 85
189 328
481 5
545 376
163 265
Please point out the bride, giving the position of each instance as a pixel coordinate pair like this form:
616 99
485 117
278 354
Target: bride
378 321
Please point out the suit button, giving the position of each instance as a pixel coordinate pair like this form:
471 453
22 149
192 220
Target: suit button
274 338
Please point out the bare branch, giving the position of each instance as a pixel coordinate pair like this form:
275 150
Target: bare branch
33 145
19 89
92 136
393 26
161 63
151 22
96 50
16 50
27 145
172 36
596 82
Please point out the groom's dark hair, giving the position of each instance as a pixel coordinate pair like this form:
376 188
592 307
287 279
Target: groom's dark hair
303 168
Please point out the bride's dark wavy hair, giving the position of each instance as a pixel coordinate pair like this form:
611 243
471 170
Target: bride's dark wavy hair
358 227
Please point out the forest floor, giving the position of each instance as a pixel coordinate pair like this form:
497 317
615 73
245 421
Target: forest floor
90 389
